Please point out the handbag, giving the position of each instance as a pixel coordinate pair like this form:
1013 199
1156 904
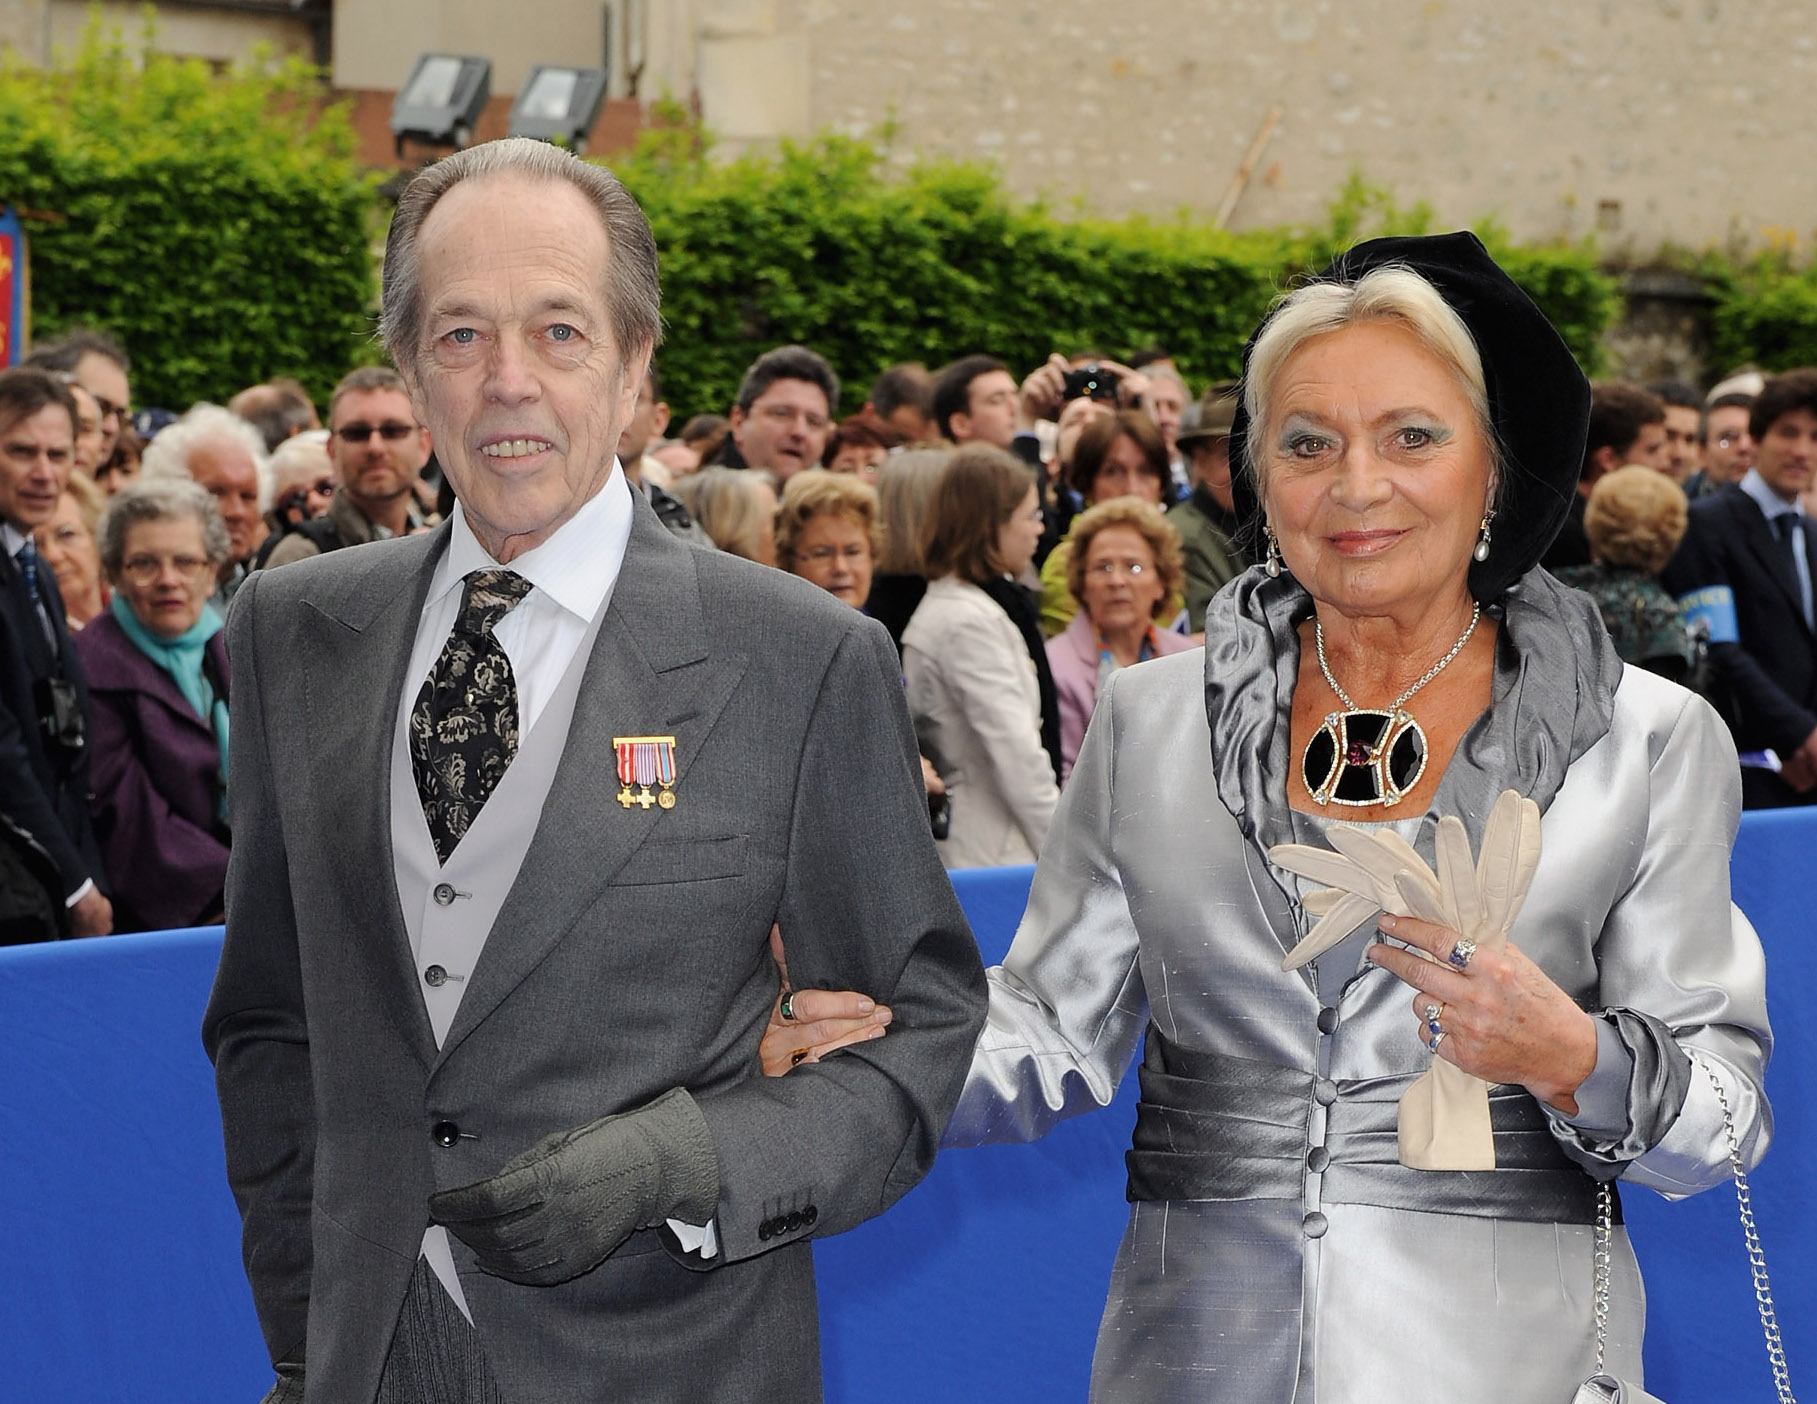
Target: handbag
1607 1389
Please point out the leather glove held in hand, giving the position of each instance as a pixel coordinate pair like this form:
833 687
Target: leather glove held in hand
561 1207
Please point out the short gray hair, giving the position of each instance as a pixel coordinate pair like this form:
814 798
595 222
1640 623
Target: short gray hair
167 455
633 292
1394 293
158 500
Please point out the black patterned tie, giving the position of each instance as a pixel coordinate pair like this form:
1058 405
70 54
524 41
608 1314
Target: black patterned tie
28 567
463 729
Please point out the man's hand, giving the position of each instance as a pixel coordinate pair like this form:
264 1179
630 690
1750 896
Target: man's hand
1799 770
1041 391
93 915
819 1020
561 1207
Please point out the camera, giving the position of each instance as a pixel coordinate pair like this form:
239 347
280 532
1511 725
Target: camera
1091 381
60 714
939 816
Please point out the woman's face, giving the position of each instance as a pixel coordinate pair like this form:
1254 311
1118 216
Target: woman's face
68 548
1377 472
861 459
1122 586
834 552
1125 472
1074 416
1018 537
165 574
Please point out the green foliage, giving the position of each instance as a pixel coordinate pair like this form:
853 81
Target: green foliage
1766 312
821 243
217 222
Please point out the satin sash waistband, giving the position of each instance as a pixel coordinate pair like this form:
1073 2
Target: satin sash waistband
1223 1128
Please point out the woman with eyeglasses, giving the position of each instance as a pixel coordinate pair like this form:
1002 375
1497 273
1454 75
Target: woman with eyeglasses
303 483
1124 568
158 688
826 532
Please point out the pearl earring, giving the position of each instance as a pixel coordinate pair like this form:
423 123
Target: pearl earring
1273 564
1481 553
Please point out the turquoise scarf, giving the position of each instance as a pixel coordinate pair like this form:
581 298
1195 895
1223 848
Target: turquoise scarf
181 657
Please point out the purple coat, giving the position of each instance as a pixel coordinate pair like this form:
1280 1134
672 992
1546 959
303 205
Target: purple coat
156 772
1072 655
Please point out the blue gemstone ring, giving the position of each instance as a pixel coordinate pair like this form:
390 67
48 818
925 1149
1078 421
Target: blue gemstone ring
1462 952
1433 1011
1433 1042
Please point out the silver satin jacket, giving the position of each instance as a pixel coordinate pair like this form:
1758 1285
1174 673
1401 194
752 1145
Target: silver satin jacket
1153 905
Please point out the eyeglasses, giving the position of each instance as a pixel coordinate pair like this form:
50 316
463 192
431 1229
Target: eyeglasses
143 570
390 431
109 410
1135 570
788 414
822 555
299 496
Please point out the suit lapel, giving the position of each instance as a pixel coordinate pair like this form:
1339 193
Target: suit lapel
355 675
649 674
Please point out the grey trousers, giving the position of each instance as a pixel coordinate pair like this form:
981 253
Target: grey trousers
435 1356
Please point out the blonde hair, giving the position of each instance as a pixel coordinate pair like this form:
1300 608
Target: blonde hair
818 492
1154 528
1393 293
722 501
905 486
90 500
1635 518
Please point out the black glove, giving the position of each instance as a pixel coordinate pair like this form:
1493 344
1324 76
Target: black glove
558 1209
289 1388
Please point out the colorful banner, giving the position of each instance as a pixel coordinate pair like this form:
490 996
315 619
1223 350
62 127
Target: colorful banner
13 281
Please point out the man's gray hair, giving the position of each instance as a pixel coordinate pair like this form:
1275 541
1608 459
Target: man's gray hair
633 293
167 455
158 500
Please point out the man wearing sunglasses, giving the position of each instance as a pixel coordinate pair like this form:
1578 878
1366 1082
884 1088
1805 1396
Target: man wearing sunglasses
379 450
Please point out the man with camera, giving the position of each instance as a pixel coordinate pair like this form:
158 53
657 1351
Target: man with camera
49 860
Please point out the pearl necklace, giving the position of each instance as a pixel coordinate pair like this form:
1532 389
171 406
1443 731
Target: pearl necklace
1363 756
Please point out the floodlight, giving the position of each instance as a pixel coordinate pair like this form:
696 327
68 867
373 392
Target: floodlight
442 101
559 104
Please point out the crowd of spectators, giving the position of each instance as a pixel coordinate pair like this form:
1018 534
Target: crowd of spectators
1020 536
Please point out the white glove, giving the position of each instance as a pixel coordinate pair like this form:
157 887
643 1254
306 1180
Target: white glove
1444 1122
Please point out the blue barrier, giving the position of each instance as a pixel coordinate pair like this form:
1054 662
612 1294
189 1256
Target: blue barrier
119 1241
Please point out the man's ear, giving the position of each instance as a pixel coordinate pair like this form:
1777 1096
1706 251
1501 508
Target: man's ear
735 418
959 422
659 419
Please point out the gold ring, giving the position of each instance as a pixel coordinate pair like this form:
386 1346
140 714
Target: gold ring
797 1056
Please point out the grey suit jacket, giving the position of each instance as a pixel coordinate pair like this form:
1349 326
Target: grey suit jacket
629 958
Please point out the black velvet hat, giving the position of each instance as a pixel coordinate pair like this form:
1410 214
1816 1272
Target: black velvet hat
1539 400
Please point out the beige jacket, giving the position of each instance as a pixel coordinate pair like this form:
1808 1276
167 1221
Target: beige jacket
977 710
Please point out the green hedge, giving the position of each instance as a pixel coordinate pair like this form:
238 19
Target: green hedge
821 244
218 223
1765 313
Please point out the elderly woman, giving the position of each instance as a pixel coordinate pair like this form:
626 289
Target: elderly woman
736 507
1125 566
826 532
1410 437
1635 518
157 681
977 678
1118 455
67 545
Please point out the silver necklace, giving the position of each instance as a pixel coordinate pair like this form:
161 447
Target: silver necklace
1364 756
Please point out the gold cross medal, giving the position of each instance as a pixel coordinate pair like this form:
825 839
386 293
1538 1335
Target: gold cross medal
644 761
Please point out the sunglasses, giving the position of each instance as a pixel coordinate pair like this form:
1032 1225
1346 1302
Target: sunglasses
390 431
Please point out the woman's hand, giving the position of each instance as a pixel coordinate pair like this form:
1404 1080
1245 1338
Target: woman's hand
819 1022
1504 1019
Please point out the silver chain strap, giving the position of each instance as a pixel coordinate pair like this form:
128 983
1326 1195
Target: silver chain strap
1757 1258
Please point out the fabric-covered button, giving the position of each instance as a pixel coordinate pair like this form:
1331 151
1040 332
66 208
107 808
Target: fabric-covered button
445 1133
444 894
792 1222
1314 1225
1328 1019
1317 1159
1324 1091
435 977
809 1214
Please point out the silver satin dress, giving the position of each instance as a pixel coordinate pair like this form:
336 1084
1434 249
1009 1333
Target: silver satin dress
1152 905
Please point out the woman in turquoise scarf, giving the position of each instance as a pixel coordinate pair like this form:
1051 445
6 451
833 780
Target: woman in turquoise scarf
158 689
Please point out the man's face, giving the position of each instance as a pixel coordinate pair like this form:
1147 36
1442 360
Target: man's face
36 453
524 387
88 430
991 410
225 470
1684 455
785 429
377 447
648 421
1211 469
105 380
911 423
1648 449
1787 455
1165 402
1728 449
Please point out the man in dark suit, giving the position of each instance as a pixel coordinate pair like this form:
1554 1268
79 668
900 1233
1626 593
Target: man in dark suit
1627 425
515 806
1745 570
43 698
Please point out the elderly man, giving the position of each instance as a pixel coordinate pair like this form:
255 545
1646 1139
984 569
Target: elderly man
225 455
516 805
378 449
49 859
783 413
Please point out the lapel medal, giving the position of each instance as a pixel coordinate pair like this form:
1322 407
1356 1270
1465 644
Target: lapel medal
644 761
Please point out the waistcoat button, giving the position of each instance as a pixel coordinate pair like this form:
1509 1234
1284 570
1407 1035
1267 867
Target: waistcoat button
434 976
444 894
445 1133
